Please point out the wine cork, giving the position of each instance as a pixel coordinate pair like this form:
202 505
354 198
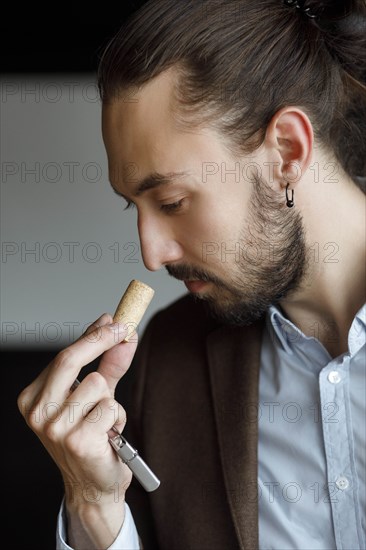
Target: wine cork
133 305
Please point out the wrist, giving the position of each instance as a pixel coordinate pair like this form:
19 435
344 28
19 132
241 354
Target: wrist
94 525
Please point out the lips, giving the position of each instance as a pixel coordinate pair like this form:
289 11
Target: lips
195 286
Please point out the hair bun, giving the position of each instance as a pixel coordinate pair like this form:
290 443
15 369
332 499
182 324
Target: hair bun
343 25
334 10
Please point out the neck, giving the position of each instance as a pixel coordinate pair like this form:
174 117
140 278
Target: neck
333 288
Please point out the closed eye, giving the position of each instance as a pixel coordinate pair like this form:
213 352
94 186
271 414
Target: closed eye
172 207
167 208
129 205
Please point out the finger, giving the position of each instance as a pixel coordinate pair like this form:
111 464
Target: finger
106 414
102 420
96 430
28 396
115 363
67 364
104 319
85 397
30 393
120 420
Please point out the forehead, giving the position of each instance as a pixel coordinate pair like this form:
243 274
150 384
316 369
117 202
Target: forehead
142 136
138 125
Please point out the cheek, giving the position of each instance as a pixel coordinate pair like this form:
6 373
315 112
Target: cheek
201 223
207 229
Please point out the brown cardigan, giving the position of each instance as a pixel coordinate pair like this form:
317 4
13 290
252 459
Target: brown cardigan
193 419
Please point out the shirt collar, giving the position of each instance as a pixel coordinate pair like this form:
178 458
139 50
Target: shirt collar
282 327
357 332
361 315
288 333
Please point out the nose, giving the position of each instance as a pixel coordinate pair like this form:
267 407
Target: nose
158 244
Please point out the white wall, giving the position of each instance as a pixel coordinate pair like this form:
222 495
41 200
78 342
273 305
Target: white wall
68 248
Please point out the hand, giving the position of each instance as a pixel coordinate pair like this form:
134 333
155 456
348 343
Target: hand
75 427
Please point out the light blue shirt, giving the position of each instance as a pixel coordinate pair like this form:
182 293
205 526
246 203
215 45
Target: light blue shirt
312 464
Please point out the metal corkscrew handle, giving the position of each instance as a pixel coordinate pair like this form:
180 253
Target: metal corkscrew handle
130 456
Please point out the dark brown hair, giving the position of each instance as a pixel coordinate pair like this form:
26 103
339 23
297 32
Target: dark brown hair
239 62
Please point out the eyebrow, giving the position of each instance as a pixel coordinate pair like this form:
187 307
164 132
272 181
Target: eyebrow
153 181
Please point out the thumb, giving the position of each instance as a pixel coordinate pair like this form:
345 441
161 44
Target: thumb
116 361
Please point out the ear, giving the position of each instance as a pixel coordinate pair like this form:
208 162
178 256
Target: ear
290 139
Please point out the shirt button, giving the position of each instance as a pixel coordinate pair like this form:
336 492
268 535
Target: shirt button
334 377
342 483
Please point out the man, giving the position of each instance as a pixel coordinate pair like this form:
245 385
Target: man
248 404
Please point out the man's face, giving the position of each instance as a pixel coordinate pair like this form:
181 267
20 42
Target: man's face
216 224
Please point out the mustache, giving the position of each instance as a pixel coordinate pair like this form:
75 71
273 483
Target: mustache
185 272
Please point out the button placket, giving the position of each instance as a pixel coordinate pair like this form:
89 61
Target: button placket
334 391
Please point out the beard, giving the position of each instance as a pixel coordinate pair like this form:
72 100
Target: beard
256 281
